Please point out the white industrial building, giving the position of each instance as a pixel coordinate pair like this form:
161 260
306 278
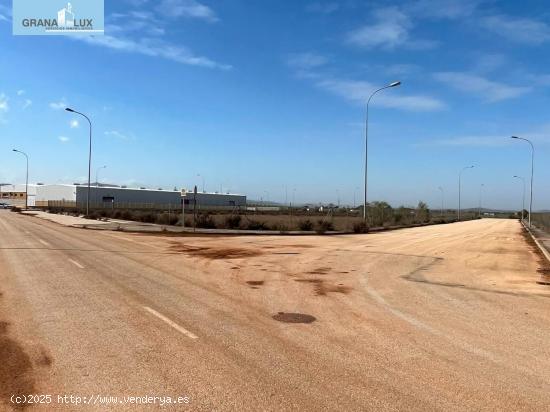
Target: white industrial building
75 195
14 195
62 195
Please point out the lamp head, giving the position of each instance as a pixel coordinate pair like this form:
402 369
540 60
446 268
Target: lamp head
514 137
69 109
395 84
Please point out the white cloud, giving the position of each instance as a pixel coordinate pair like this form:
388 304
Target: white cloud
488 90
60 105
118 135
520 30
539 135
488 62
306 61
74 124
391 30
442 9
63 139
27 103
5 13
359 92
187 8
20 92
322 7
469 141
4 106
154 48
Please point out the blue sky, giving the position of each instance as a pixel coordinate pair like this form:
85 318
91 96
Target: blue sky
259 96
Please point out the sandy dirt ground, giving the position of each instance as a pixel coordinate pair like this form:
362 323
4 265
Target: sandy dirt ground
447 317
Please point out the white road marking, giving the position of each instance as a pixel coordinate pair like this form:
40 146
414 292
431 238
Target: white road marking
74 262
44 242
171 323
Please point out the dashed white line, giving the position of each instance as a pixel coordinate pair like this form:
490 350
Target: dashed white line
44 242
179 328
78 265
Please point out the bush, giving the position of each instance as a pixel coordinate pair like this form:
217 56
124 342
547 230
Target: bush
16 209
167 219
280 226
324 226
255 225
232 222
205 221
305 225
146 217
92 215
360 227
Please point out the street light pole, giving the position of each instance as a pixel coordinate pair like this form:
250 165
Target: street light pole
442 199
523 198
26 179
532 172
89 157
480 192
393 84
460 187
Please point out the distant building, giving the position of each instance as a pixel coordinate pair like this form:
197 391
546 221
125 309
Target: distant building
61 195
212 200
75 195
14 195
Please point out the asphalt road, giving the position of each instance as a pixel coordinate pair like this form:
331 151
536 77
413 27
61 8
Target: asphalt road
436 318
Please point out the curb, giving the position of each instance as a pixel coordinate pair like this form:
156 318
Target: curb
539 245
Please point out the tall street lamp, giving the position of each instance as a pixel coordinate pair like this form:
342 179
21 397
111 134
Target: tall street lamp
523 198
89 157
26 179
442 199
532 172
460 187
481 186
394 84
97 173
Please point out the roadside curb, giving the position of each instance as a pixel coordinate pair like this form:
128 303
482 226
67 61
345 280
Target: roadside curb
539 245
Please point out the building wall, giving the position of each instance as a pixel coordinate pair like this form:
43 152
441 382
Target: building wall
214 199
15 194
55 192
100 195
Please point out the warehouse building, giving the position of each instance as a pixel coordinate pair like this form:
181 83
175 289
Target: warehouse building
14 195
67 196
205 200
115 197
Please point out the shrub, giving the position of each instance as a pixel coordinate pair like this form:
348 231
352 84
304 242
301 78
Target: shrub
360 227
166 219
324 226
232 222
255 225
146 217
280 226
305 225
92 215
206 221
